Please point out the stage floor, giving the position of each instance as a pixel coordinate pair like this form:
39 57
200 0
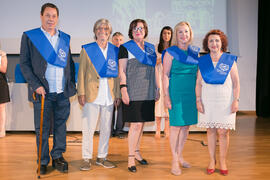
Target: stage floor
248 156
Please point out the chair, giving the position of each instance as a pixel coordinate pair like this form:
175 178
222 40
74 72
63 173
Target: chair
18 75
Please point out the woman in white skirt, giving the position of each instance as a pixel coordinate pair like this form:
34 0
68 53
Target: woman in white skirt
217 96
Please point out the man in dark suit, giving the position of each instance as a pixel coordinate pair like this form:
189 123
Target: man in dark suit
48 68
117 122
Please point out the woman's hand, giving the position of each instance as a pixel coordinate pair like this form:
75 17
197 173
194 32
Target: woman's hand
167 102
125 96
234 107
81 100
200 106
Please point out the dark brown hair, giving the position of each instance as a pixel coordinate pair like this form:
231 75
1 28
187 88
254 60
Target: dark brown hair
133 24
161 40
44 6
223 38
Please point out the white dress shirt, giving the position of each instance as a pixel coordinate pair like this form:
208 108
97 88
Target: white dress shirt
104 96
54 74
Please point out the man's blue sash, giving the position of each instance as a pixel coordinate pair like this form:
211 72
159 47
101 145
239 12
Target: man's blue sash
148 57
218 74
104 67
47 51
190 58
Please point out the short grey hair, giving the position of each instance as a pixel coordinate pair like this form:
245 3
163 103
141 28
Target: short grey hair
100 22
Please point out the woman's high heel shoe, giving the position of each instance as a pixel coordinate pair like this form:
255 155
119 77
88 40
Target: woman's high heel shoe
143 161
210 171
176 170
224 172
185 165
132 168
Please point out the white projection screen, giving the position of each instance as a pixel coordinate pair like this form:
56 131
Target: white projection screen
77 18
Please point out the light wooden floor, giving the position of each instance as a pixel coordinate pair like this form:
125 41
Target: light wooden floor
248 158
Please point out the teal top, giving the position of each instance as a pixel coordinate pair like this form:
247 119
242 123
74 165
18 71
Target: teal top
182 94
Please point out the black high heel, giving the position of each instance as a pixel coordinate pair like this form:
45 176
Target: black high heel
143 161
132 168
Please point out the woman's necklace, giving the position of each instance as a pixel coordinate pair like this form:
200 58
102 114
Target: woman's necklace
215 56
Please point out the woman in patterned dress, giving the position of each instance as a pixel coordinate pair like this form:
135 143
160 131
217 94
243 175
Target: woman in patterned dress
137 60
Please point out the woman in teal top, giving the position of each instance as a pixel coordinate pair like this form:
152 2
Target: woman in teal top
179 80
182 94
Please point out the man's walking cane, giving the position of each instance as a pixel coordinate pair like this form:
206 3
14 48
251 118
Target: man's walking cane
40 135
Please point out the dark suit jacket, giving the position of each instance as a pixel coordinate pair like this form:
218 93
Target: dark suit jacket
33 67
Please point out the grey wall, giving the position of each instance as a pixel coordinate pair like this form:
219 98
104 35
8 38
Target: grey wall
242 25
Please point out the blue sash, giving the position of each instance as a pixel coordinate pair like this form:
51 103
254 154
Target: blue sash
218 74
190 58
148 57
45 48
104 67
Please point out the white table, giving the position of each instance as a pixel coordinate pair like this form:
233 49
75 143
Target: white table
20 112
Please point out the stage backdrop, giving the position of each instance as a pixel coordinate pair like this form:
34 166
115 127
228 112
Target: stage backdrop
237 18
78 17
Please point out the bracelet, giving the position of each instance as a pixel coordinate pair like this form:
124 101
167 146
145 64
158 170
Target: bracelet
236 99
123 85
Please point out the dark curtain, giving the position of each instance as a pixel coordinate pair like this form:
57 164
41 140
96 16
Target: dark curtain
263 62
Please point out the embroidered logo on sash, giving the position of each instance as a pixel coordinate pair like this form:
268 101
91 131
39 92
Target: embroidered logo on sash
111 64
194 48
61 54
149 51
222 68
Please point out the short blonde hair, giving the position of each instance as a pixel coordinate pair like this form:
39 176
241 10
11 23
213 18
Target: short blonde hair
174 39
100 22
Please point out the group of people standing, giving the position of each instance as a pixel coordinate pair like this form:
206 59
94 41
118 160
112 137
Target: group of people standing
134 76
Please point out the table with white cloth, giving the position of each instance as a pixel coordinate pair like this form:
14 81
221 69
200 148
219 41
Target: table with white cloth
20 112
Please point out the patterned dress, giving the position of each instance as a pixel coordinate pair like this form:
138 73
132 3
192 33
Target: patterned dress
140 79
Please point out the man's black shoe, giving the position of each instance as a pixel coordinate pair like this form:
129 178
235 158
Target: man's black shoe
60 164
43 169
121 136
